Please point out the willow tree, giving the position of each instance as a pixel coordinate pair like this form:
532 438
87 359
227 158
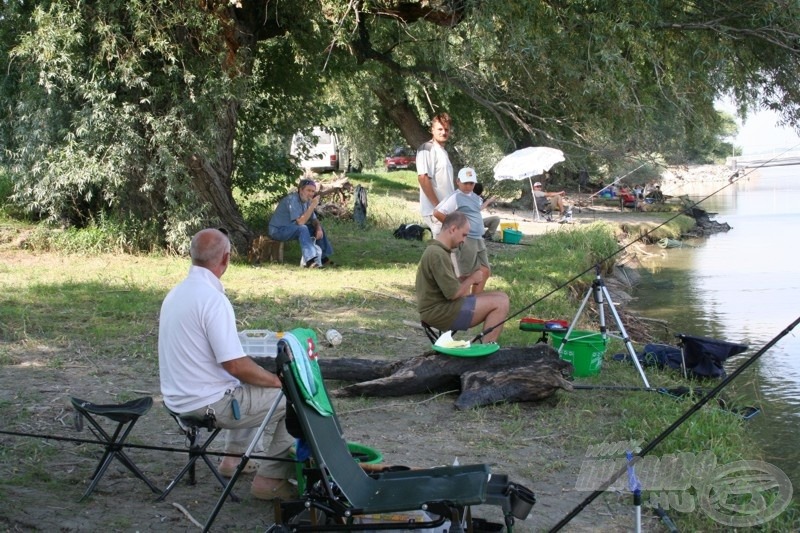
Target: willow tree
155 111
602 79
132 107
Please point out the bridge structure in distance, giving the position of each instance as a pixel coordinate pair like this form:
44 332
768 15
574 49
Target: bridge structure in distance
773 159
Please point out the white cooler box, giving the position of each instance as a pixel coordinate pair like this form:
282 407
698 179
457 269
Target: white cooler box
260 342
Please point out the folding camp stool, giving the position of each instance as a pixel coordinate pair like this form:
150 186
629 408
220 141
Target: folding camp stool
432 333
190 426
125 415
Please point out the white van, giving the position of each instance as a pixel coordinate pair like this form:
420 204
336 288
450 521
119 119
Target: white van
320 151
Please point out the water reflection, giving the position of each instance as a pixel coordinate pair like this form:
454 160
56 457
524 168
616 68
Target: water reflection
742 286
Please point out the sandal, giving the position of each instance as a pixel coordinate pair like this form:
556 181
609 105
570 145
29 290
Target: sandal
282 491
227 468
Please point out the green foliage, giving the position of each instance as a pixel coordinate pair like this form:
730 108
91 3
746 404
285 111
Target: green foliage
282 99
99 236
610 83
159 110
112 104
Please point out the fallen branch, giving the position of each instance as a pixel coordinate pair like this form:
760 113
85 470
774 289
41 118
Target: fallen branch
182 509
393 405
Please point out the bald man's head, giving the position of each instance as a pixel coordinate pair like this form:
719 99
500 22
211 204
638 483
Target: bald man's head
209 248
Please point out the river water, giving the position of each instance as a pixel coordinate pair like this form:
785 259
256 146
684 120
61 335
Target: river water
742 286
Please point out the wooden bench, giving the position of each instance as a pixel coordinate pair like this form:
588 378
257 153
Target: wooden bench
264 250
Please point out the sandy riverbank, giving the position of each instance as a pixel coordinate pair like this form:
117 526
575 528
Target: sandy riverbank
674 181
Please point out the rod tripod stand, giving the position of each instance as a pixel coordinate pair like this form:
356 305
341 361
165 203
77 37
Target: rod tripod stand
600 293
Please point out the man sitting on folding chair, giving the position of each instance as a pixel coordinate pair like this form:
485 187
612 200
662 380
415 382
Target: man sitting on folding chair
547 202
205 373
444 301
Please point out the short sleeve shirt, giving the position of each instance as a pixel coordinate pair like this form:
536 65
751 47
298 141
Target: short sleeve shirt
197 333
470 205
435 285
289 209
432 159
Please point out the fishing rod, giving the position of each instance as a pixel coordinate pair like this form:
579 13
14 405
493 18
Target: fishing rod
734 178
136 446
616 180
744 412
675 425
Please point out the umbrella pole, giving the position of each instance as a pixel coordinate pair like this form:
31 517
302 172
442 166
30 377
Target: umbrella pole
533 197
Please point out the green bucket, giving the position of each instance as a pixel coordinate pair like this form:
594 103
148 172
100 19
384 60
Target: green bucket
360 453
584 349
512 236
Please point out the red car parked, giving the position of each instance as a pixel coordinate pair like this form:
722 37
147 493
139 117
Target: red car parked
401 158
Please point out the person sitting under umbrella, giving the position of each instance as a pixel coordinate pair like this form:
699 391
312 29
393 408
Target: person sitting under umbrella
547 202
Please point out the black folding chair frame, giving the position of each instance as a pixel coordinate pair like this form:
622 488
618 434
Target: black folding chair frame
125 415
191 428
346 491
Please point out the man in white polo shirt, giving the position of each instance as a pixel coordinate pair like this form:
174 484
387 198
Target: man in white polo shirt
204 370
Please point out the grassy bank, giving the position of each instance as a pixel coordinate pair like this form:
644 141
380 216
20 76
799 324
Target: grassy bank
65 311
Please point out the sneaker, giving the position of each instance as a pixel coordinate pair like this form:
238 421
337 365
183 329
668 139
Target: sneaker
311 263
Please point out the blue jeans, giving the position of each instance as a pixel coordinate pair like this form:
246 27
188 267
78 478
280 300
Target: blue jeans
304 234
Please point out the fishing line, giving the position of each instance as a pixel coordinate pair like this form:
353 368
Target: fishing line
667 432
735 178
137 446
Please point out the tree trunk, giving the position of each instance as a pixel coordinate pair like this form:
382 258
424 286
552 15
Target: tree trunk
402 115
511 374
212 173
212 180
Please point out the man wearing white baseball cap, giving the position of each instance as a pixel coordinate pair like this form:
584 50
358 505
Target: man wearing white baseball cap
471 255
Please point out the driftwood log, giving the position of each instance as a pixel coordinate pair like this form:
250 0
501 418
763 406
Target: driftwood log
704 226
509 375
339 189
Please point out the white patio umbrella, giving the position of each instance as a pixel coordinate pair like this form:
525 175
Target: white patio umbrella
526 163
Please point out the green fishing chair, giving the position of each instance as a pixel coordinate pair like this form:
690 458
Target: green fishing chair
339 491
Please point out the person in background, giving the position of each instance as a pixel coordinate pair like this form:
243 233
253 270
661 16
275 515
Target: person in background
555 200
294 218
492 222
443 300
434 171
471 255
204 372
656 194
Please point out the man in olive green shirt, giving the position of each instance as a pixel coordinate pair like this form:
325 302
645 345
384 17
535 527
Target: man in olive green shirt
443 300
